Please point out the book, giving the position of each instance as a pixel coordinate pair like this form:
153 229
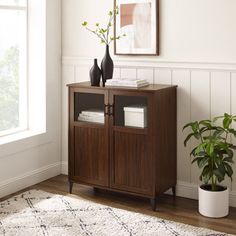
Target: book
91 119
93 112
92 115
127 83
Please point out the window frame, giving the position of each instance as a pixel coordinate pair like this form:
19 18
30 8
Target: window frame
23 80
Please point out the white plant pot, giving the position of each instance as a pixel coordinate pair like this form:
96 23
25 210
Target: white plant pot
213 204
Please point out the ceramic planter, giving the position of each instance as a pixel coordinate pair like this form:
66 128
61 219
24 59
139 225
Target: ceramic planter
213 204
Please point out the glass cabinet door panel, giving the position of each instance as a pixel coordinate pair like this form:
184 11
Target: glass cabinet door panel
89 107
130 111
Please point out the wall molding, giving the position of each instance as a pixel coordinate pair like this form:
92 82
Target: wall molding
30 178
137 62
183 189
64 168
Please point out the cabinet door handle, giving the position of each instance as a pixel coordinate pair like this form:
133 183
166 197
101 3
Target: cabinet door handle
107 110
111 113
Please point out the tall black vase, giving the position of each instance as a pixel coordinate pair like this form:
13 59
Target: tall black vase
95 74
107 66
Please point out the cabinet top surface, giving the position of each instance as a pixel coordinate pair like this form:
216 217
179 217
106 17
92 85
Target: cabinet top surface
151 87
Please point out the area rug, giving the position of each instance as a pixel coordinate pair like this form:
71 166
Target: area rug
36 213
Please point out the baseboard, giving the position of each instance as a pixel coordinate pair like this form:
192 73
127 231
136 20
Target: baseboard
64 168
189 190
232 199
28 179
183 189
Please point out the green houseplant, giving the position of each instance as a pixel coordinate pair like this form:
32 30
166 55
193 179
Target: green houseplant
214 156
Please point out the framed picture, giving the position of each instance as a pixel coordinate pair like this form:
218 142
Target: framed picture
138 20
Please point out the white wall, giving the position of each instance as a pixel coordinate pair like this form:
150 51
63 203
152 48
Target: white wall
29 161
198 53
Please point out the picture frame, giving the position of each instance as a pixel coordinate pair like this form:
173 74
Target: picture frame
135 19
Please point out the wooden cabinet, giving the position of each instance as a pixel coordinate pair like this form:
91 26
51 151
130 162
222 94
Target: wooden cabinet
105 153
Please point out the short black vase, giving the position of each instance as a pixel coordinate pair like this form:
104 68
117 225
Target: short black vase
95 74
107 67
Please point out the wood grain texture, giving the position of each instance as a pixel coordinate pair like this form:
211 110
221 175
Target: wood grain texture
165 133
91 155
131 163
132 160
178 209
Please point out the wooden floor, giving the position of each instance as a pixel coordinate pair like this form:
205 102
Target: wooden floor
178 209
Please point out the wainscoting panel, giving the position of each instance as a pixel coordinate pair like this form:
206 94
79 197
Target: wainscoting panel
147 74
204 90
221 98
81 73
200 108
128 73
163 76
233 110
220 93
182 79
68 76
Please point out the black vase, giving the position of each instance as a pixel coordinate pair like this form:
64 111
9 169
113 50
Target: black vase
95 74
107 66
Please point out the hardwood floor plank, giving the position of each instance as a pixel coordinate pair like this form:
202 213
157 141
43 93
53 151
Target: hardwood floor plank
179 209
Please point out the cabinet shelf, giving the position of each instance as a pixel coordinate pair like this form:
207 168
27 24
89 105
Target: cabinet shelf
88 124
127 129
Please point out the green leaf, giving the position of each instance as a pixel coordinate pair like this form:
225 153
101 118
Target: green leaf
217 118
218 132
97 24
187 125
202 162
210 149
206 123
219 175
232 131
227 122
200 148
197 136
110 13
195 159
85 23
205 175
228 159
195 126
229 170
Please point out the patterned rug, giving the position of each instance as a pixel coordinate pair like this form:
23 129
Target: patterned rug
36 213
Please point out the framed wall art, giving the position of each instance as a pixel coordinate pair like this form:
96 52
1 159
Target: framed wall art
139 21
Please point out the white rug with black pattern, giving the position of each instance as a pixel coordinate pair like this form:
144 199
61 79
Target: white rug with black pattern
40 213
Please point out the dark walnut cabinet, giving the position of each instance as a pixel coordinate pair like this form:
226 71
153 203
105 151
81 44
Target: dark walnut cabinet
127 159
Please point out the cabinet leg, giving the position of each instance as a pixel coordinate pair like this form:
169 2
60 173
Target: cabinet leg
96 189
174 191
70 186
153 202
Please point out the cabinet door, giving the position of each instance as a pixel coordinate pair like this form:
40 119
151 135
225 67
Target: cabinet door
88 136
131 145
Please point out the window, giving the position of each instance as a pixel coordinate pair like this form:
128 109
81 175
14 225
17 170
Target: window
13 66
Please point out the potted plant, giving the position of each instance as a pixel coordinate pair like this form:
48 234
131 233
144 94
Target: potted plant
214 156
